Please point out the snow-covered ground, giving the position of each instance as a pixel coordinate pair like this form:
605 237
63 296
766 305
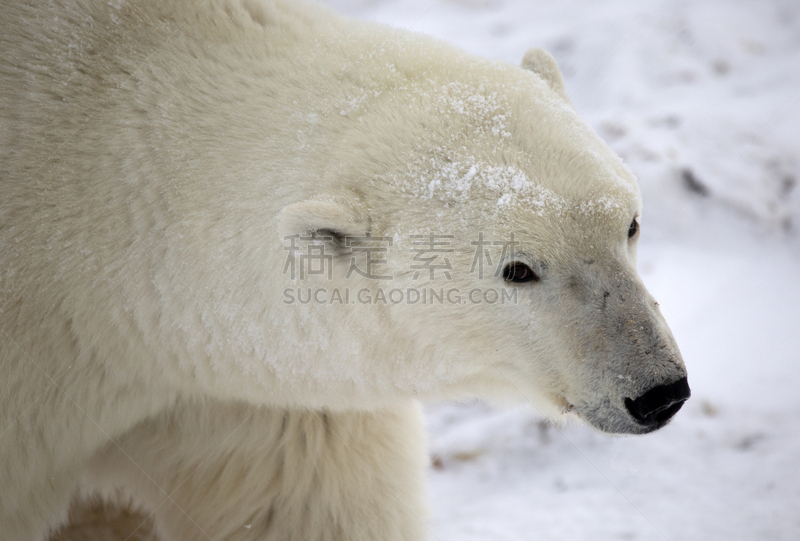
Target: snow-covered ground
702 99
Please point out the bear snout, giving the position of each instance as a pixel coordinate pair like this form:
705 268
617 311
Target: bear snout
655 407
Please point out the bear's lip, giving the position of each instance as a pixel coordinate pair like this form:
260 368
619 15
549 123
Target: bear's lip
605 418
618 424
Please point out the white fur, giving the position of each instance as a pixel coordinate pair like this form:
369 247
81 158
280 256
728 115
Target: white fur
155 154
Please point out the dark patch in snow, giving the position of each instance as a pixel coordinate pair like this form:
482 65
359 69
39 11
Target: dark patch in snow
692 184
787 185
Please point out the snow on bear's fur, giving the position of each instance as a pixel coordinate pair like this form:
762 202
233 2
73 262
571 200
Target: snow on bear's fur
179 176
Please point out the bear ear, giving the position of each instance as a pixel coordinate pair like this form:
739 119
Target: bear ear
544 65
329 220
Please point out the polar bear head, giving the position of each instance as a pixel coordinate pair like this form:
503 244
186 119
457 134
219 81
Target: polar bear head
501 233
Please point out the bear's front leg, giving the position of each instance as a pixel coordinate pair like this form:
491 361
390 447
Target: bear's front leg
235 471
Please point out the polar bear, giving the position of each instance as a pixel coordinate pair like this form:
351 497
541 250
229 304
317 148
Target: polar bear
241 240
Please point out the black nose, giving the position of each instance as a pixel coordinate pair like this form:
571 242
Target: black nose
659 404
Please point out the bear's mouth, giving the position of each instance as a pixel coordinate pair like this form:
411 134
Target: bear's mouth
563 404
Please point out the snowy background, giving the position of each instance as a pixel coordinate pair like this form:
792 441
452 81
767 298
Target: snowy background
702 99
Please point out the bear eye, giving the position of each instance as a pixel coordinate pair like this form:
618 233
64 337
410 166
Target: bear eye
633 229
519 273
